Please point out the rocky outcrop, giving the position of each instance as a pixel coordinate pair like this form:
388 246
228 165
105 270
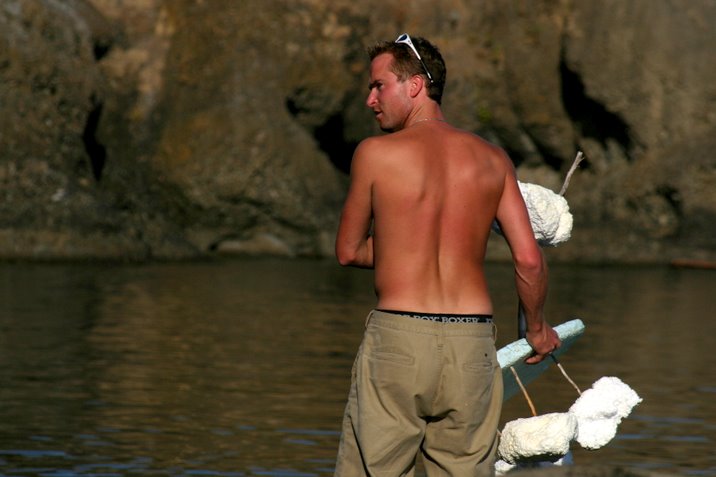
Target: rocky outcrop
627 83
52 163
157 129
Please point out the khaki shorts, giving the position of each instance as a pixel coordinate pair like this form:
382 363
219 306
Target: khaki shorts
421 386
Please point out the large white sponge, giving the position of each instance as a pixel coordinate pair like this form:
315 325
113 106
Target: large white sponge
549 214
538 438
600 409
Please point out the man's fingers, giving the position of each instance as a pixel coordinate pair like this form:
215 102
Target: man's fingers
538 356
535 358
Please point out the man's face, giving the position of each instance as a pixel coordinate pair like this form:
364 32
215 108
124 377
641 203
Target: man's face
389 97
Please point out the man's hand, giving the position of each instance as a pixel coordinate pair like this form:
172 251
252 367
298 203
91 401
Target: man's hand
543 342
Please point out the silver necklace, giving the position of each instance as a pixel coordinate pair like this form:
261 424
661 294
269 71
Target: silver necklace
428 119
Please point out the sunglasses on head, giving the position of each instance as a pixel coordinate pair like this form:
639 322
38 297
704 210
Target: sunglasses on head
404 39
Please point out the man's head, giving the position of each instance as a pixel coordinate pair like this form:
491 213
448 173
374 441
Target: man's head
406 63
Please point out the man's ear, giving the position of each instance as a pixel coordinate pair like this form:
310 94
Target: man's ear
417 83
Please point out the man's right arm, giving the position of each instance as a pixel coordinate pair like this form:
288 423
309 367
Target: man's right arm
530 266
354 244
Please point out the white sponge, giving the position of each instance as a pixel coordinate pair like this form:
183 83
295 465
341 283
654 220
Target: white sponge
539 438
600 409
592 421
549 214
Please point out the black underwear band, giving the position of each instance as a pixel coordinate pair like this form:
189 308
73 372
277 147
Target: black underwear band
443 317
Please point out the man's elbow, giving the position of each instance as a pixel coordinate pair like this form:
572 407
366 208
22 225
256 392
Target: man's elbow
345 256
344 260
530 263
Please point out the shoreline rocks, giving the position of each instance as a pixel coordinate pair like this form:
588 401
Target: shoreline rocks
174 130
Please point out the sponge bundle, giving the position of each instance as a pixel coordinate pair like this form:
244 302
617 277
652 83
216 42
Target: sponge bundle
592 421
549 214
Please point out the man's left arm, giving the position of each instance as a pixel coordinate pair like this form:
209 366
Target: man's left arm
354 244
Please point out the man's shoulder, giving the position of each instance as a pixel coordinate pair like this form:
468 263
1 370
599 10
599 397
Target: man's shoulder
367 149
384 140
379 147
480 141
369 157
482 148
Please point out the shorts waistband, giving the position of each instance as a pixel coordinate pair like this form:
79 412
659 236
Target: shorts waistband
442 317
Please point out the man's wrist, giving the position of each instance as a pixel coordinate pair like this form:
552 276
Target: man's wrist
535 327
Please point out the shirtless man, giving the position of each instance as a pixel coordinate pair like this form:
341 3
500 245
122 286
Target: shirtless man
419 211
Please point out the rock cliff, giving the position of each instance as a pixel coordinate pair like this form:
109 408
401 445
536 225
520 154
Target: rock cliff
173 129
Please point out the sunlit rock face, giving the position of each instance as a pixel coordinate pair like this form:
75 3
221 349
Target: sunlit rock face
48 82
154 128
59 200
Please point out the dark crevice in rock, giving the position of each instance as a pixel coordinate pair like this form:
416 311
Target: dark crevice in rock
591 117
329 134
100 49
516 156
96 151
293 104
330 139
672 197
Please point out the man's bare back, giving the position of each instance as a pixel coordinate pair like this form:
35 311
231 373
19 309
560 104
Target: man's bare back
435 191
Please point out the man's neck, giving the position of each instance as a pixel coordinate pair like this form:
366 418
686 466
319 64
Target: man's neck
424 113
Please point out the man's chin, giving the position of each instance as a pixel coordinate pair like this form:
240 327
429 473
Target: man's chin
386 127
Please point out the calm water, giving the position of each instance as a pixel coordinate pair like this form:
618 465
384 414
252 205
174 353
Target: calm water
240 368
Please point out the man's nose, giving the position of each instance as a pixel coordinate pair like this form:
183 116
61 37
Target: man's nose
370 101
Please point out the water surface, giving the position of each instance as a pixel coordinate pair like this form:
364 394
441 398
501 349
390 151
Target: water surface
241 367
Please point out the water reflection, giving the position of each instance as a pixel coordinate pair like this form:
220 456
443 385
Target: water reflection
242 367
